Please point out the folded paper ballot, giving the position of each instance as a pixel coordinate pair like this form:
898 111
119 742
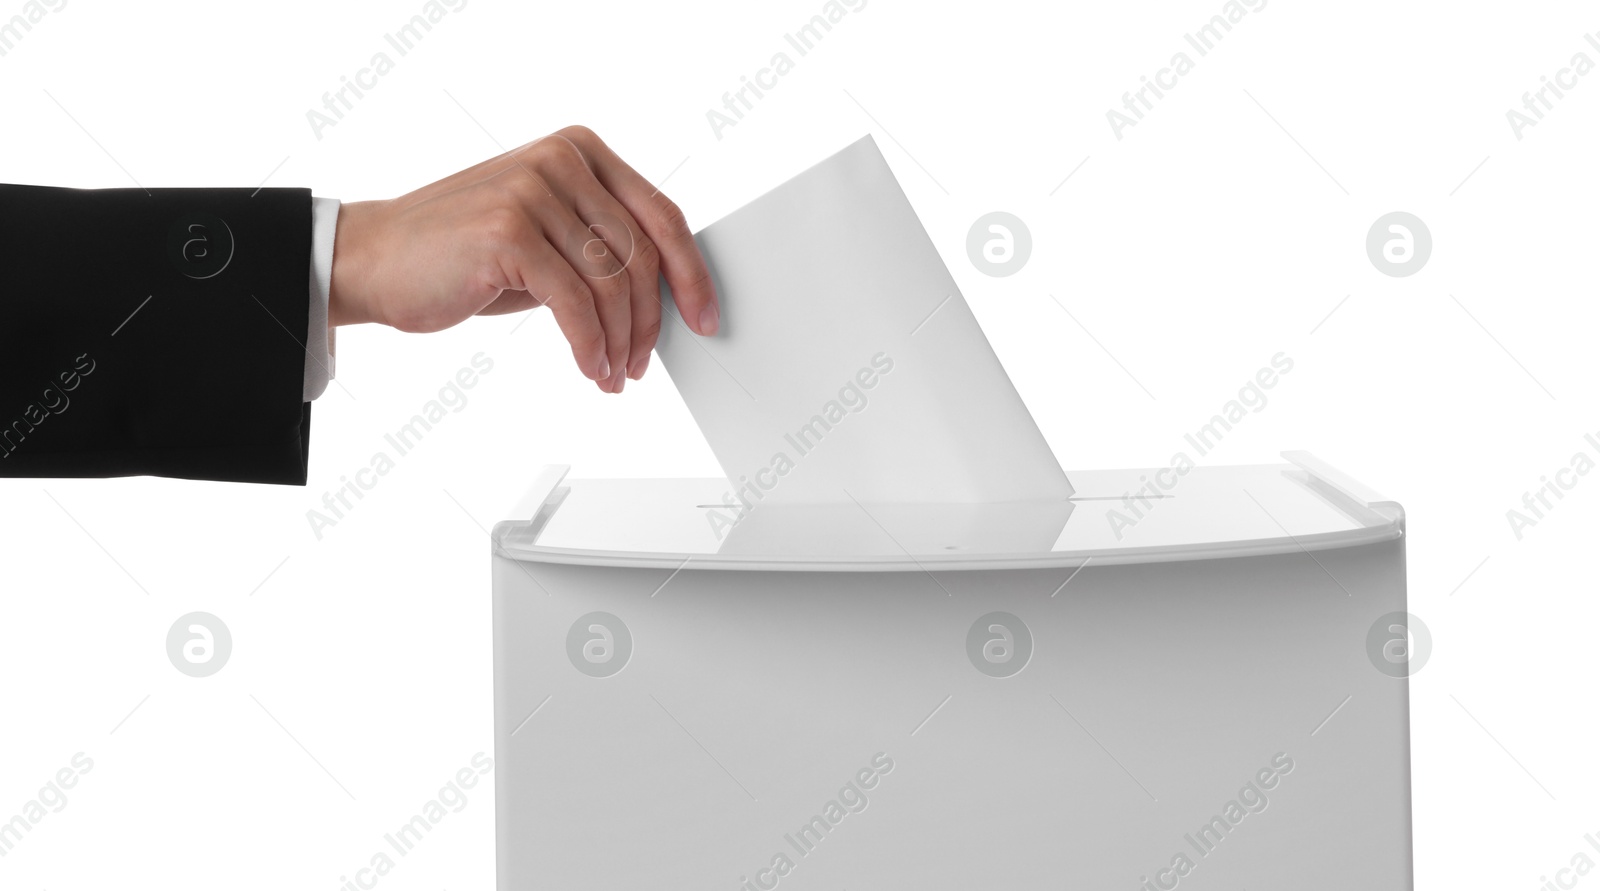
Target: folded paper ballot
848 367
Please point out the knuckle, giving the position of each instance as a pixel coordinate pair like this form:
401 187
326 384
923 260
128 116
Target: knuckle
701 276
524 188
593 254
598 261
538 150
503 227
571 297
588 341
560 153
647 332
669 215
578 132
531 152
613 289
613 272
646 256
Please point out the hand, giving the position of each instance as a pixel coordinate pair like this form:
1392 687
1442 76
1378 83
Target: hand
561 221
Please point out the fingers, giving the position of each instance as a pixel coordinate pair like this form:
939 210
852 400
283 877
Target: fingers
615 246
609 221
592 251
541 270
680 260
646 316
644 285
642 267
612 237
573 304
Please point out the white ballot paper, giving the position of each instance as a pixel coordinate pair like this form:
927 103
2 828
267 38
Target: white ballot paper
848 366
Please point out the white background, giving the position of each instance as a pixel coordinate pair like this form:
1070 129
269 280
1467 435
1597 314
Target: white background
1191 250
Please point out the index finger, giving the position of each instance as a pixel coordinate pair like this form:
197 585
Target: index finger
685 269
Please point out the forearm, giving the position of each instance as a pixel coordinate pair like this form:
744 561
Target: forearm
181 306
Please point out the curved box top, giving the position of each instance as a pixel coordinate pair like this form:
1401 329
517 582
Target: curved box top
1116 516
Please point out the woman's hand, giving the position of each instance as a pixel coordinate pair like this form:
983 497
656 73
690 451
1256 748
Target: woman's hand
560 222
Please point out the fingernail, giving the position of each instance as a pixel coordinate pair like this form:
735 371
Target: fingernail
622 381
637 371
605 369
708 320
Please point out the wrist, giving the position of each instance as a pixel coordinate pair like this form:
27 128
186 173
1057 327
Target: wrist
349 302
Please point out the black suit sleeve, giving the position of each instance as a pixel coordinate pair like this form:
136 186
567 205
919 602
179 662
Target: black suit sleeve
155 333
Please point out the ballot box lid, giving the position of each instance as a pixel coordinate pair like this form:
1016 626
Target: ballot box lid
1114 516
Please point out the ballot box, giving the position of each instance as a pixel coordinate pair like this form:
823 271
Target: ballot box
1178 677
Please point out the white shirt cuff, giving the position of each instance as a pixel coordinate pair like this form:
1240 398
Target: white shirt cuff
319 337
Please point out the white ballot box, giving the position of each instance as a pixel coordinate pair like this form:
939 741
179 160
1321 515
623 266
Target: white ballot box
1198 684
